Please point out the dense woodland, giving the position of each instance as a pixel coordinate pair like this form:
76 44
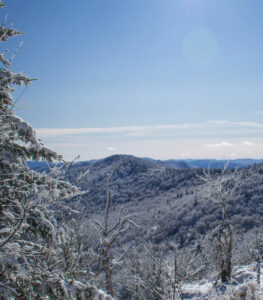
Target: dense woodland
121 227
176 202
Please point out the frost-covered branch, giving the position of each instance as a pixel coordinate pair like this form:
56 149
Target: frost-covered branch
109 235
221 188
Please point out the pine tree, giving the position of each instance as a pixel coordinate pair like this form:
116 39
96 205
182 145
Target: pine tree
39 256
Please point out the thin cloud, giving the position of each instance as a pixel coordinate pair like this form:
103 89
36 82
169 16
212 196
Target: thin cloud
222 144
132 129
219 122
186 154
145 130
111 149
247 143
248 124
158 148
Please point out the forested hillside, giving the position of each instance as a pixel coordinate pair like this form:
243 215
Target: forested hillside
170 203
178 213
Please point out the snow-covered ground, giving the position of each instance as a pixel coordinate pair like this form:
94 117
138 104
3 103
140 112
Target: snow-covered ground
243 286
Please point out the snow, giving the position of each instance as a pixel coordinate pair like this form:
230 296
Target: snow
197 290
243 286
3 59
100 295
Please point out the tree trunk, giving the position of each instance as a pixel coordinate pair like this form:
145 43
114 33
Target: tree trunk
108 272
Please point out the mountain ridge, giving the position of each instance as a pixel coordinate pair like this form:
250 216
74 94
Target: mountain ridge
174 163
170 203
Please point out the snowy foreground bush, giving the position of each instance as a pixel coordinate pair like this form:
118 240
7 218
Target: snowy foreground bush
243 286
39 254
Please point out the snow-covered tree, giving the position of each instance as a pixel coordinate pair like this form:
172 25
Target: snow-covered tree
220 189
39 256
109 233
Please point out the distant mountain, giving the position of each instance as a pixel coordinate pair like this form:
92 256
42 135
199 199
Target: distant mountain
173 163
206 163
248 161
213 164
177 164
170 203
220 164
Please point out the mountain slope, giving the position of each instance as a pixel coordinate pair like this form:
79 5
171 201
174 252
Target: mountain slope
170 203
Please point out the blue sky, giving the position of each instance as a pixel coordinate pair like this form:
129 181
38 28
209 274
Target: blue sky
156 78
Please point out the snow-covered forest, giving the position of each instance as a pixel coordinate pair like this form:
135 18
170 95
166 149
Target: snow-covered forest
122 227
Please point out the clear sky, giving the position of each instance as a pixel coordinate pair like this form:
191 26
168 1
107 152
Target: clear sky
157 78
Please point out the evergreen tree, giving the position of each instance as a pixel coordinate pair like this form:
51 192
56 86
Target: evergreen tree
39 256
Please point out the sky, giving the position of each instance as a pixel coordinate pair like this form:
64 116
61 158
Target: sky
152 78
